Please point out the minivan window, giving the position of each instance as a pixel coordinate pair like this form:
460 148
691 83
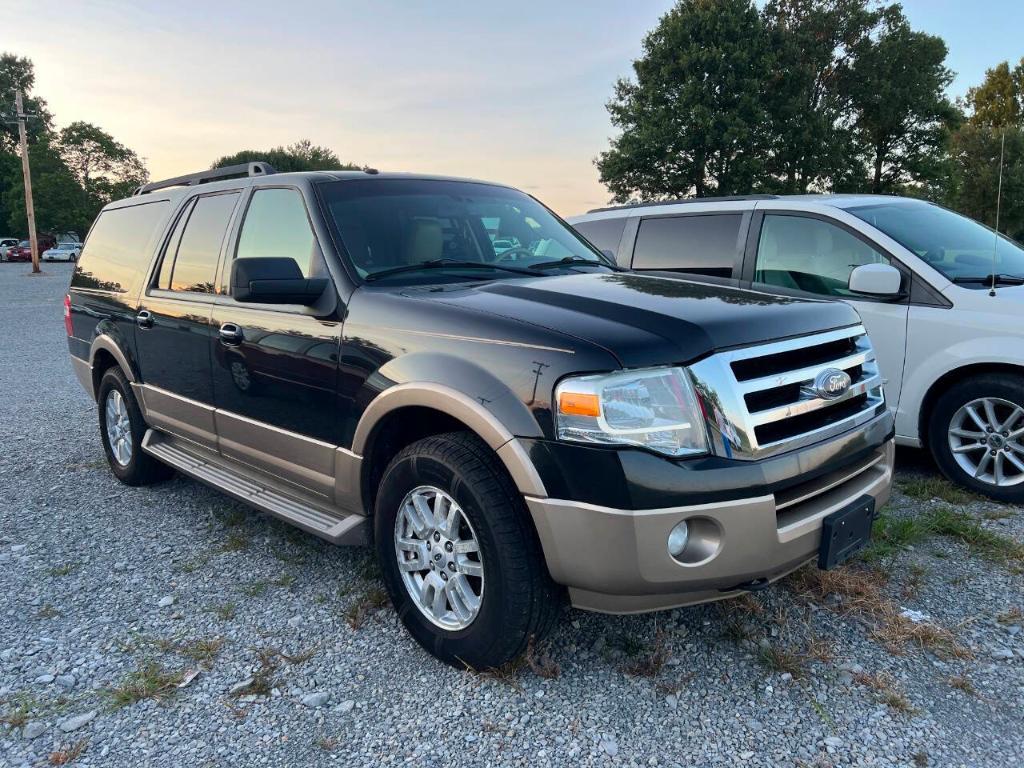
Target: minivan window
958 247
604 233
276 225
388 224
118 249
805 254
196 255
704 244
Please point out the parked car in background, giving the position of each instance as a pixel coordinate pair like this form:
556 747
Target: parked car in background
6 243
23 250
941 296
62 252
349 351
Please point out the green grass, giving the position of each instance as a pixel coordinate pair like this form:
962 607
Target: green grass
17 711
932 487
149 681
224 611
256 588
890 535
63 570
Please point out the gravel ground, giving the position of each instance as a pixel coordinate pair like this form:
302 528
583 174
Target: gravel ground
112 593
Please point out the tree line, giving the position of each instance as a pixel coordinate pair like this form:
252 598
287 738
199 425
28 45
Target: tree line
811 96
78 169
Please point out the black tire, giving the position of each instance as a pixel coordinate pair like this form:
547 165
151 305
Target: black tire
1006 387
141 468
519 600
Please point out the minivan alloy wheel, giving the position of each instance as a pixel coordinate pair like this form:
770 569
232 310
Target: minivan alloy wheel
439 558
119 428
986 438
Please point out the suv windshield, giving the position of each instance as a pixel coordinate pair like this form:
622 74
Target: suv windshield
958 247
454 229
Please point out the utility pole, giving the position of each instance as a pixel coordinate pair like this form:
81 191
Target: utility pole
27 173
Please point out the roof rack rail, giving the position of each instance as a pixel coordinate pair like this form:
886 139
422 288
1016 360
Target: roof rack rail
683 200
214 174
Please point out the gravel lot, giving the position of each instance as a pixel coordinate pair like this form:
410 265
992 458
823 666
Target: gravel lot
112 594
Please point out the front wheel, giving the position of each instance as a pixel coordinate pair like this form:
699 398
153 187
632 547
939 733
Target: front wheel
976 434
461 561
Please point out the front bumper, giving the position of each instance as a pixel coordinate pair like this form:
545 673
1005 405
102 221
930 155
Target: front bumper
616 560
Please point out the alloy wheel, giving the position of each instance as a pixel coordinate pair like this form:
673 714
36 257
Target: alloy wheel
439 558
986 438
119 428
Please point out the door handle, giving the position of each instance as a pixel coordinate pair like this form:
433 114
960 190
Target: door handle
230 334
144 319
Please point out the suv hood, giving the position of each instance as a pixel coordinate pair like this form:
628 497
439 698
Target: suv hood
646 320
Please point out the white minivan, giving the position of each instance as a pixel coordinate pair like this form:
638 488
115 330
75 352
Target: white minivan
941 295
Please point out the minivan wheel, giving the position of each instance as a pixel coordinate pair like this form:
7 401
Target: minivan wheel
460 559
976 434
122 430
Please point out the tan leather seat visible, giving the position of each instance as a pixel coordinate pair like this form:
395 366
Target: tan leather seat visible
425 242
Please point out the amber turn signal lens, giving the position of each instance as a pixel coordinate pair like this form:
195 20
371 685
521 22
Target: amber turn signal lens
575 404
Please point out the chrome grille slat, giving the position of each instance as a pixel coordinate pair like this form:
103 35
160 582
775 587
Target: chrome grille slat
752 418
804 374
808 404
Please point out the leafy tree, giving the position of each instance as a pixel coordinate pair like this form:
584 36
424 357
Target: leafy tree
104 167
999 101
61 204
812 43
18 72
900 111
301 156
692 120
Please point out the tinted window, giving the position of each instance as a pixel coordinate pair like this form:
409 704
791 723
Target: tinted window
706 245
195 262
119 247
399 223
810 255
167 265
276 225
604 233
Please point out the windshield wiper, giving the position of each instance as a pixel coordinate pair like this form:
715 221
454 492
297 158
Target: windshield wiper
989 279
572 260
442 263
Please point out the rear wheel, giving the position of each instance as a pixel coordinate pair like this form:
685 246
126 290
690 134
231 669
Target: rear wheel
122 429
459 555
976 434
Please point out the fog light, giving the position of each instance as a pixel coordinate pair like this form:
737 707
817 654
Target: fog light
677 539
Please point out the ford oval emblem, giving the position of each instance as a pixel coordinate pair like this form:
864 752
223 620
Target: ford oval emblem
832 383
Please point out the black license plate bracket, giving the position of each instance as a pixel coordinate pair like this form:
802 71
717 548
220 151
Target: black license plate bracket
846 532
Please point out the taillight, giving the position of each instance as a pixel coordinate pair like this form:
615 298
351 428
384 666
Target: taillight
67 313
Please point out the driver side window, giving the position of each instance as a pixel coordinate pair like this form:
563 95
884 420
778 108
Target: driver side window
805 254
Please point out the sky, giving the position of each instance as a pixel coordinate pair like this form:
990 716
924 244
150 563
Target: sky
509 92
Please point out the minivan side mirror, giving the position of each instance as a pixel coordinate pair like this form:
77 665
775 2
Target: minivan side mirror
275 280
881 280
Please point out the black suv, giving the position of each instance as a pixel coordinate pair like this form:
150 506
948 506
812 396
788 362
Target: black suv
447 369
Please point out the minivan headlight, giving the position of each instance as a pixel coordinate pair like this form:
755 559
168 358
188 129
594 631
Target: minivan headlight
654 409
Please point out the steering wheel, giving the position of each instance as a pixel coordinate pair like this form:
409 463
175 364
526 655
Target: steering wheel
511 254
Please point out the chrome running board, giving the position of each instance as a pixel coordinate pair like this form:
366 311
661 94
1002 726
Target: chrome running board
257 490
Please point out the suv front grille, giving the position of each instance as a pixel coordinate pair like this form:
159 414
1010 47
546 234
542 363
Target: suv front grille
761 400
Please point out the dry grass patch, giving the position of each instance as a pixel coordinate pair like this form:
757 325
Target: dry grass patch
368 603
962 683
68 754
886 691
540 661
1012 615
650 662
19 707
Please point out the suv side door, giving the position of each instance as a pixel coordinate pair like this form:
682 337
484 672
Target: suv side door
172 334
803 253
275 367
706 243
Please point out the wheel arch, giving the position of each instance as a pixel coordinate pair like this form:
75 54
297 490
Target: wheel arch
105 353
411 411
950 379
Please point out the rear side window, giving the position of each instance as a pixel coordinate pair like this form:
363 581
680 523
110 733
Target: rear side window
117 252
604 233
276 225
194 249
702 244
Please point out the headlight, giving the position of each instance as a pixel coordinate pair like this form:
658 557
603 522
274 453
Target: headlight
654 409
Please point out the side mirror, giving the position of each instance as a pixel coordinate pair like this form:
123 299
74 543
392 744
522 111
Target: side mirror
274 281
881 280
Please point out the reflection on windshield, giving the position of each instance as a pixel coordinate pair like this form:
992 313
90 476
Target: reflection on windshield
955 245
386 224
